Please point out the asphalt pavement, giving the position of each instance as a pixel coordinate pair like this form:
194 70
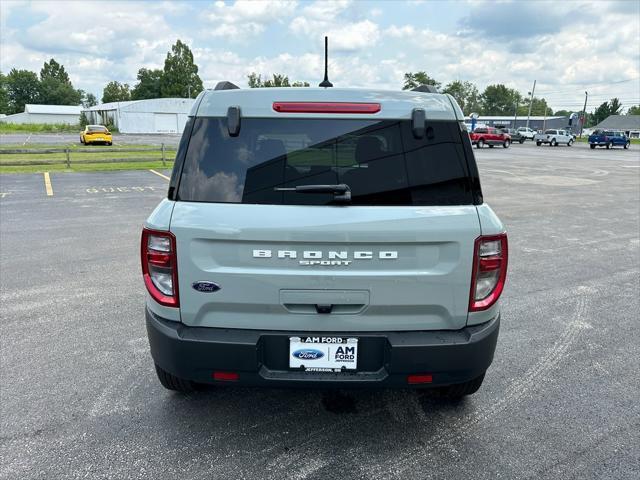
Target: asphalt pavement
79 397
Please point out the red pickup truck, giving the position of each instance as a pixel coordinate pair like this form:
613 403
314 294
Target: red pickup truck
482 136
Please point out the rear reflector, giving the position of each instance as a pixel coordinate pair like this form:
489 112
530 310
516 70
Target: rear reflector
326 107
160 266
490 257
422 378
226 376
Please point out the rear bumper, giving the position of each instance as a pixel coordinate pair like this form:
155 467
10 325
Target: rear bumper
261 357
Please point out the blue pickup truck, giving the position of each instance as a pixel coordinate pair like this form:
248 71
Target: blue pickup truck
608 138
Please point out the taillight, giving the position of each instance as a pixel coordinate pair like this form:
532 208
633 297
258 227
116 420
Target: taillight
159 266
489 271
326 107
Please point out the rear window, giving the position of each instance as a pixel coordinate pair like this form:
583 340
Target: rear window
96 128
381 162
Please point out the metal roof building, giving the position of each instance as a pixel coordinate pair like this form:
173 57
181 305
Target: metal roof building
155 115
630 124
50 114
536 122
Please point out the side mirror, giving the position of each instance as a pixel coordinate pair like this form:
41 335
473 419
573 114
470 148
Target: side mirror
418 122
233 121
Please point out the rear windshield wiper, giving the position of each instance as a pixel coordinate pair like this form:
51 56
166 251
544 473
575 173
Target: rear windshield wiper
341 191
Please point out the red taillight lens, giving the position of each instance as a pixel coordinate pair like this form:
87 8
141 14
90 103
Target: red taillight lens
226 376
159 266
419 378
326 107
489 271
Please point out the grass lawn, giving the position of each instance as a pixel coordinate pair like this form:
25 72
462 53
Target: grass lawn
38 128
83 158
90 167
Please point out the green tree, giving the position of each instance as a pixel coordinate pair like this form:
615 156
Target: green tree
55 86
634 110
539 107
466 94
277 80
116 92
89 100
4 94
180 77
499 100
612 107
22 87
53 69
413 80
562 113
148 85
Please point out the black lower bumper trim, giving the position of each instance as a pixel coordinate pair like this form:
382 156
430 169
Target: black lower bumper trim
260 357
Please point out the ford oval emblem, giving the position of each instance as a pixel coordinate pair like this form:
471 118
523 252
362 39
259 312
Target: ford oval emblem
308 354
205 287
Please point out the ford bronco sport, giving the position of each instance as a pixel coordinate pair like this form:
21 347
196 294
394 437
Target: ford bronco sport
324 237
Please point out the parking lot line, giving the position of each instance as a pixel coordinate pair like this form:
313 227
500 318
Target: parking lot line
159 174
47 184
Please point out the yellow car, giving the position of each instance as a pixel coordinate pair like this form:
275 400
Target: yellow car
95 134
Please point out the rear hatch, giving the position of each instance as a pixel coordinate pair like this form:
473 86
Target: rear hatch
397 256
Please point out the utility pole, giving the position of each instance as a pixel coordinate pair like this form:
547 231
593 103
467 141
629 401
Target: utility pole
533 90
515 114
584 109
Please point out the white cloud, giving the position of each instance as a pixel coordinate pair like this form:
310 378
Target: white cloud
246 18
333 19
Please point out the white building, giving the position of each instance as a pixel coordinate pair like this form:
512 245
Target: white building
155 115
50 114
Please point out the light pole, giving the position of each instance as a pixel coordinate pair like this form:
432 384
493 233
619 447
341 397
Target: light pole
584 110
515 114
533 90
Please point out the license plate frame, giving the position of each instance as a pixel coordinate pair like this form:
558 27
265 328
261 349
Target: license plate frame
322 353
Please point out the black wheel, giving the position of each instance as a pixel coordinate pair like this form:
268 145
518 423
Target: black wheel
553 143
592 146
459 390
608 145
81 140
538 143
491 146
626 145
171 382
480 143
569 143
521 141
506 144
109 144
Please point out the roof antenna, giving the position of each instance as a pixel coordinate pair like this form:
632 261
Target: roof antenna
326 83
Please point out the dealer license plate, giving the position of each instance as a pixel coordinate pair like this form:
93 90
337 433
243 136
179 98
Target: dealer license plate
323 354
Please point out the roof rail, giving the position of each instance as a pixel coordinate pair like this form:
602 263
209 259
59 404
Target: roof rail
224 85
425 88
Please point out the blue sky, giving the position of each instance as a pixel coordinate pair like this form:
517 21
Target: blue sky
567 46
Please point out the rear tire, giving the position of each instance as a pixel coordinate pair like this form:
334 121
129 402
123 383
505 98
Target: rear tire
626 145
171 382
608 145
538 143
521 141
480 144
569 143
592 146
506 144
459 390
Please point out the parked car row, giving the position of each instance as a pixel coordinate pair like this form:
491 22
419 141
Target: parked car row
553 137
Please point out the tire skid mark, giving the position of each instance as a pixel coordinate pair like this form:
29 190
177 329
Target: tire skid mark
452 433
